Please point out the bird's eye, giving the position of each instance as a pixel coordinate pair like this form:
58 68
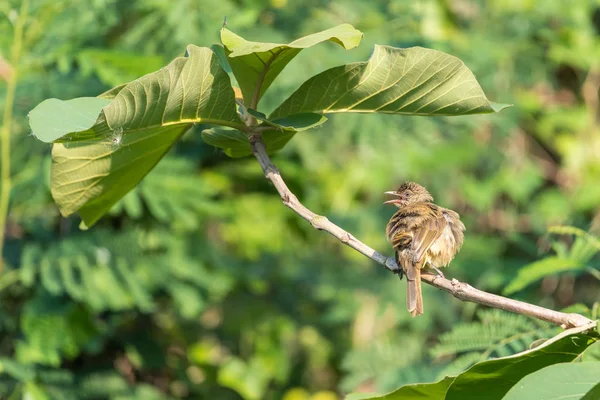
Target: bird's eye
406 195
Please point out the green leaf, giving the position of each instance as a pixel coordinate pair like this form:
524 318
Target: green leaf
236 144
90 177
413 81
256 64
233 142
292 123
97 165
539 269
570 230
22 372
54 118
593 394
494 378
420 391
248 379
558 381
112 93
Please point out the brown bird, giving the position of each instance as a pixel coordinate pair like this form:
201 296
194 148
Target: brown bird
422 234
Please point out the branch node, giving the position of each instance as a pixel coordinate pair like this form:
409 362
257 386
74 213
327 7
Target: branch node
318 222
271 170
285 199
346 238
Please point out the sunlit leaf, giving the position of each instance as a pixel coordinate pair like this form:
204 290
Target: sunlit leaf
97 164
256 64
90 177
558 381
54 118
492 379
413 81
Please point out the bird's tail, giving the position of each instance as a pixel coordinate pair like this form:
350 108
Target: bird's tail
414 296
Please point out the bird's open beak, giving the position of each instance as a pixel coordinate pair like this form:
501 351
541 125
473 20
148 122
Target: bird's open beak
394 201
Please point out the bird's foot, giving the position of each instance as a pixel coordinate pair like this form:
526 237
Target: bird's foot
440 273
400 273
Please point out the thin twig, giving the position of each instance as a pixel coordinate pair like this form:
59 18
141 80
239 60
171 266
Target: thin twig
458 289
5 183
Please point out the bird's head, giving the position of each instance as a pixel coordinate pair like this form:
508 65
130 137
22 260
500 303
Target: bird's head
408 193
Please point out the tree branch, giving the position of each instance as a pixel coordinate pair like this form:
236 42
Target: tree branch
458 289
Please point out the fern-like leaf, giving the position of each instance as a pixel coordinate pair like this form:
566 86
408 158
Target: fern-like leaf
496 334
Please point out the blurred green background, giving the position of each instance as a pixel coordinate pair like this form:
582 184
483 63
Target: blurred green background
201 284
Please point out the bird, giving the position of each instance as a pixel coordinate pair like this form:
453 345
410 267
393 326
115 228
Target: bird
422 234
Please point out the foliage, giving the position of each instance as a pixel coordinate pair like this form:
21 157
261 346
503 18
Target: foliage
493 379
227 276
577 258
495 334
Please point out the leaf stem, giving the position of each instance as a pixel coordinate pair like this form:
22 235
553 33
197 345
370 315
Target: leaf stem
11 86
458 289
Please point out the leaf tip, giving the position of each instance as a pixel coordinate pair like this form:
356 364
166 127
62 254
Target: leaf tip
497 107
83 226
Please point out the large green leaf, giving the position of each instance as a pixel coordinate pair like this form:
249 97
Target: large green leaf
559 381
256 65
94 166
191 89
413 81
91 176
492 379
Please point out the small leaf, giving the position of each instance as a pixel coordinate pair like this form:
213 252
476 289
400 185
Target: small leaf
53 118
256 65
413 81
540 269
292 123
233 142
236 144
559 381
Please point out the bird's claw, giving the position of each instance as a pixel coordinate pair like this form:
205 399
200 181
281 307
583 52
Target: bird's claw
400 273
440 273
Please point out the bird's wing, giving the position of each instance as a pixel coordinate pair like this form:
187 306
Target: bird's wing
416 227
426 233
